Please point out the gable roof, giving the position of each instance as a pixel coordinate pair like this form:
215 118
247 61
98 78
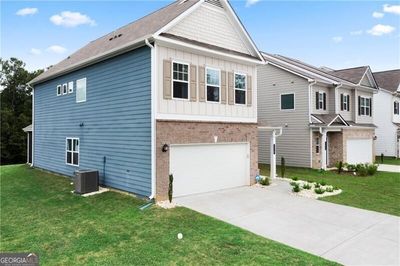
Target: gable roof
330 119
353 75
130 37
388 80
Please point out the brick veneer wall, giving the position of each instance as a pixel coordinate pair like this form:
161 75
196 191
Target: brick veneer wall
335 149
179 132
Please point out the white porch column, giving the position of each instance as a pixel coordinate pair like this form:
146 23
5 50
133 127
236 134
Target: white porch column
323 149
273 155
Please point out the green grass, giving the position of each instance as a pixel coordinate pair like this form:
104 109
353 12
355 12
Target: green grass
40 214
388 160
380 192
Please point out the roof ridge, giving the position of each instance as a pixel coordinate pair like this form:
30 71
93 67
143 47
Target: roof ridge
350 68
397 69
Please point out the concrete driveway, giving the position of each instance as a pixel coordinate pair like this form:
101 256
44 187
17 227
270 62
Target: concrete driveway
339 233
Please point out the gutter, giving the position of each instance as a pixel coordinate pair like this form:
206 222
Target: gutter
336 98
312 83
153 122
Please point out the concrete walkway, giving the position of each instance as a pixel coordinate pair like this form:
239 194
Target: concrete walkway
389 168
347 235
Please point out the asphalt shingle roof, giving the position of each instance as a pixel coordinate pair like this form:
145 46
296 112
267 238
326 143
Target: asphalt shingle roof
354 74
388 80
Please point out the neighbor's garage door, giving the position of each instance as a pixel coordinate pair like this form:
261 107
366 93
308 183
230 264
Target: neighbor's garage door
359 151
209 167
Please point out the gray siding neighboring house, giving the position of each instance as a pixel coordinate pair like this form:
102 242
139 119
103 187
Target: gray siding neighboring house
114 122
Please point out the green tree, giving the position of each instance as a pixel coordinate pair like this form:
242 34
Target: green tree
16 109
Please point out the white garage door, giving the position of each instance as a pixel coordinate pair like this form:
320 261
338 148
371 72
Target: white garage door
359 151
209 167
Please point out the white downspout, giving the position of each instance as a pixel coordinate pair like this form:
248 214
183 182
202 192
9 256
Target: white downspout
273 152
336 98
153 122
324 146
33 126
309 99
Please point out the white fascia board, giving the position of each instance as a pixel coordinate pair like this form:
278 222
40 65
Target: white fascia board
203 118
329 81
241 59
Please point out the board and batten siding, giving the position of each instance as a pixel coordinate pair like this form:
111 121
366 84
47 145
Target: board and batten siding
168 108
294 144
115 119
210 24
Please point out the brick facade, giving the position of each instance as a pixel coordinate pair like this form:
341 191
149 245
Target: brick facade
179 132
337 142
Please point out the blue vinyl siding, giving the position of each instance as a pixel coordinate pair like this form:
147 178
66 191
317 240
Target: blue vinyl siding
116 118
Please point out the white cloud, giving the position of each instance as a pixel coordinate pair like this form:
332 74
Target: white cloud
27 11
35 51
356 32
71 19
394 9
377 15
251 2
57 49
379 30
337 39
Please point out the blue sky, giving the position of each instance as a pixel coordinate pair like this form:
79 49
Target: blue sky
337 34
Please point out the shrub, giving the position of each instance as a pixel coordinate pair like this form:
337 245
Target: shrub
361 169
322 182
293 184
296 188
295 178
329 189
339 166
170 187
351 167
307 186
319 191
335 188
283 167
265 181
317 185
372 168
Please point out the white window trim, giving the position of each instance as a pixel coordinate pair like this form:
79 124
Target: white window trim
71 87
317 144
65 85
294 102
234 89
66 151
398 108
345 102
321 100
219 86
365 106
82 101
59 90
172 80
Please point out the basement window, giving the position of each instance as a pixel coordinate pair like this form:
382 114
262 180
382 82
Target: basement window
72 151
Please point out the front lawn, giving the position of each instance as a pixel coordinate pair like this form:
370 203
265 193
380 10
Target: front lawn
380 192
387 160
39 214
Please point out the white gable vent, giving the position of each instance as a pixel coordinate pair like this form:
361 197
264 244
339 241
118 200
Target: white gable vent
215 3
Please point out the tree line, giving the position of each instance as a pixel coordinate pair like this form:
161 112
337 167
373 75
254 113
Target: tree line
16 109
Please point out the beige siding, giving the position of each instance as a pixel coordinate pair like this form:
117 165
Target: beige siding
295 142
329 105
365 82
364 119
198 110
347 115
210 25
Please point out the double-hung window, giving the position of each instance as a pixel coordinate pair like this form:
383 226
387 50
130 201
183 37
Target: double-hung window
344 102
365 106
72 151
180 81
321 100
287 101
240 88
213 84
81 90
396 108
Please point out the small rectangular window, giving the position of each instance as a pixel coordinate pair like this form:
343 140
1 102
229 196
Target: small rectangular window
321 100
58 90
65 88
72 151
287 101
317 145
70 87
81 90
213 84
240 88
396 108
180 81
345 102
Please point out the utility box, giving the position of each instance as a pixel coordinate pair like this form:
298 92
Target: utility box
86 181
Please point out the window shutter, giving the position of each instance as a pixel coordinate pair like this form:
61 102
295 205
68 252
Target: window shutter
230 88
202 82
370 106
348 102
324 101
341 101
249 91
223 87
359 105
167 79
317 100
193 83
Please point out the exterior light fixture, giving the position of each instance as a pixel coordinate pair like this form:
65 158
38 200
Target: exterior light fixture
165 148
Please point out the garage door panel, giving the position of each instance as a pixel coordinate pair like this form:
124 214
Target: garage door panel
359 151
204 168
